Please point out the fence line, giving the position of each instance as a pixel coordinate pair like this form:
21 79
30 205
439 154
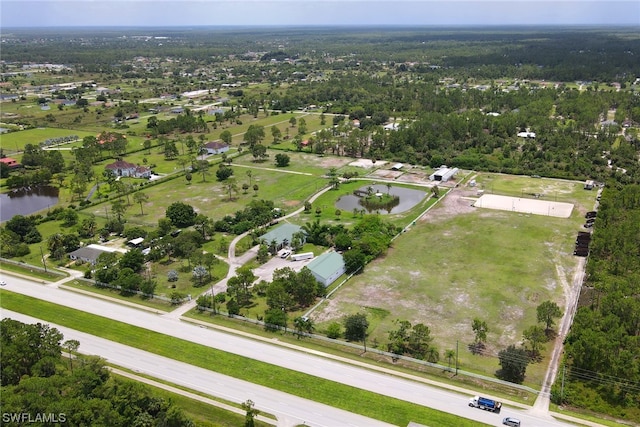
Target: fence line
119 288
33 267
393 356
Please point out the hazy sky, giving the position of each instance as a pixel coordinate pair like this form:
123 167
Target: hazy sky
50 13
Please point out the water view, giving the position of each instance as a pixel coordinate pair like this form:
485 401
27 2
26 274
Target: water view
25 201
402 199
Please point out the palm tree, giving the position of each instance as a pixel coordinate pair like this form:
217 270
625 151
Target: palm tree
231 186
118 208
140 197
71 345
450 354
249 174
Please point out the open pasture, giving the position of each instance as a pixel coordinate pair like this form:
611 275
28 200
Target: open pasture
16 141
213 198
459 263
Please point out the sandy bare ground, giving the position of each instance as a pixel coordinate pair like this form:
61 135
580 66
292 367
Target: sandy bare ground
525 205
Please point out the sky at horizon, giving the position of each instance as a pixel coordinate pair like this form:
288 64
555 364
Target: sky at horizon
165 13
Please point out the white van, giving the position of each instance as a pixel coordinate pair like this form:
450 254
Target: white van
285 254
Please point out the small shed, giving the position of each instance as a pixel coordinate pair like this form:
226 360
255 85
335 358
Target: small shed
135 242
397 166
327 267
281 235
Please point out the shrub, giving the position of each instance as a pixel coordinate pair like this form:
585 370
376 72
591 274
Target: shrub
334 330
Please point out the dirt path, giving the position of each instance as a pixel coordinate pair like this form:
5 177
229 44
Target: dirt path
572 293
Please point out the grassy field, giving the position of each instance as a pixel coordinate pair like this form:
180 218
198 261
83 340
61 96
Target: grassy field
16 141
212 198
344 397
459 263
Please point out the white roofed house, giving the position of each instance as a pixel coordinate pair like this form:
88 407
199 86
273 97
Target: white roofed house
215 147
527 134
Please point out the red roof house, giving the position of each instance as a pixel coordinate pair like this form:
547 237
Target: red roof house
12 163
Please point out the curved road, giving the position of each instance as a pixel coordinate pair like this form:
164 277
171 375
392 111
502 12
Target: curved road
410 390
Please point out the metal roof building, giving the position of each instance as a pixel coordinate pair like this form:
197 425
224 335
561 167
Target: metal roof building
327 267
87 254
281 234
443 174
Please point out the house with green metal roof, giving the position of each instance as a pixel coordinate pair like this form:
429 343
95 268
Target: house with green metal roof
281 236
326 268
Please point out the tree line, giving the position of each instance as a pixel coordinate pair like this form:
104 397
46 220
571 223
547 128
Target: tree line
602 351
36 379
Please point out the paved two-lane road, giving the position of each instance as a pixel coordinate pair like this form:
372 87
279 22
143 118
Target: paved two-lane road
377 382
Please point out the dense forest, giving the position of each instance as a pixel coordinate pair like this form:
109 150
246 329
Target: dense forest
39 382
525 53
603 348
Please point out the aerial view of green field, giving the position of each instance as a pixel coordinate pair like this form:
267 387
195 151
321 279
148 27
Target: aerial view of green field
452 210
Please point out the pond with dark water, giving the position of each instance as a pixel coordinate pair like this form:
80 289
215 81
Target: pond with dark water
26 201
408 198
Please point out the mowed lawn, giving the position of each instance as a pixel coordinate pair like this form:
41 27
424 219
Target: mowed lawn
213 198
18 140
457 265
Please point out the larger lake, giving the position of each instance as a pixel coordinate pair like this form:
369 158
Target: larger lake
25 201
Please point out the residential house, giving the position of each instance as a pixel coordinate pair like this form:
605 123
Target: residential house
280 236
12 163
90 253
215 147
122 168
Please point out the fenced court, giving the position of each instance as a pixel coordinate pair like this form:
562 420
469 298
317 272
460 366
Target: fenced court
524 205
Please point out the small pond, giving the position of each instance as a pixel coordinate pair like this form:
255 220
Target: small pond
25 201
406 199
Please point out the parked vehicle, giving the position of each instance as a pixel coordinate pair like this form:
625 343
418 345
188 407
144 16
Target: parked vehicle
485 403
510 421
285 254
302 256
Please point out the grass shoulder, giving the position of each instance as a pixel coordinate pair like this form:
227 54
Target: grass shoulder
349 398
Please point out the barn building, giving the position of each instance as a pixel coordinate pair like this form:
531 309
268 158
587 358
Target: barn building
443 174
326 268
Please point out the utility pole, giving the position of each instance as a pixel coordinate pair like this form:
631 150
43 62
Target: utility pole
456 357
213 300
564 368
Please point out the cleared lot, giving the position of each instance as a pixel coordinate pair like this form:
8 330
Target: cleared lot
525 205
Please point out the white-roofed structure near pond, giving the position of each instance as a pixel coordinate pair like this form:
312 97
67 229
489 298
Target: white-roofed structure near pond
443 174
